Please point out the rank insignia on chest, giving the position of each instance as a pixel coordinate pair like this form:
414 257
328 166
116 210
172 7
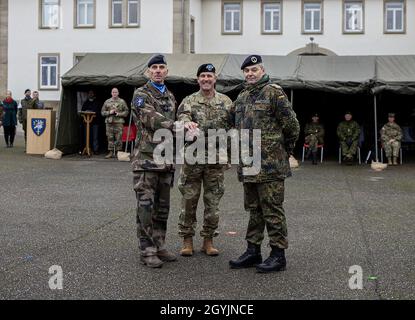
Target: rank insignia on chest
139 102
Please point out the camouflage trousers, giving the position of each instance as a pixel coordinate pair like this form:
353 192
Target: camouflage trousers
392 148
349 149
264 203
191 179
153 206
312 141
114 135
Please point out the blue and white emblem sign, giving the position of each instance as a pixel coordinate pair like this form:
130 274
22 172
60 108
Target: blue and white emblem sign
38 126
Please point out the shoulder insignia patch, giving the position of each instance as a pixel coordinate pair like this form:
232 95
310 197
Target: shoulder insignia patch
138 102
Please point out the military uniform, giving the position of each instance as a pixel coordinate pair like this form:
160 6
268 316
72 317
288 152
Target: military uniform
348 133
152 110
265 106
114 123
208 114
22 112
314 135
391 136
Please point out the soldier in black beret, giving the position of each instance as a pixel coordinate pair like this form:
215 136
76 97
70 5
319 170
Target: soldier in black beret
263 106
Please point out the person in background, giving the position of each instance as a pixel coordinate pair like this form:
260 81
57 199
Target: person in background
391 137
9 119
37 104
26 103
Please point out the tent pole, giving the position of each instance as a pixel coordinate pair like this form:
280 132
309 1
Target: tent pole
376 126
292 98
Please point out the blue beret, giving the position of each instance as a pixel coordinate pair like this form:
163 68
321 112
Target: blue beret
207 67
251 60
157 59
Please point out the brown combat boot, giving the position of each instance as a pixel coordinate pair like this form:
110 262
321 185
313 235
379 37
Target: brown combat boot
395 161
208 247
187 249
151 261
109 155
166 256
390 161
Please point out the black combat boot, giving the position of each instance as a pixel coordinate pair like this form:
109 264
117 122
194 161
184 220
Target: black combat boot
250 258
314 157
275 262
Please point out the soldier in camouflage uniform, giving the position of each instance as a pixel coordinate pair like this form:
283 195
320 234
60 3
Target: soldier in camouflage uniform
208 109
114 110
26 103
348 132
391 136
153 108
263 105
314 136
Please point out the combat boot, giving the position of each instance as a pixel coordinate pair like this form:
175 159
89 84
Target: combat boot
109 155
250 258
390 161
395 161
187 249
166 256
208 247
151 261
275 262
314 158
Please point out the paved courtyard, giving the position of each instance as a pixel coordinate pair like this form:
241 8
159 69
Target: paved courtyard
80 214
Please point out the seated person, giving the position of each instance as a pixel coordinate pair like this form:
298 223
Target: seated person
348 132
314 135
391 137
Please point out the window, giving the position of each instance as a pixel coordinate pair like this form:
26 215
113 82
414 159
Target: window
50 13
232 17
48 71
271 17
312 17
85 13
125 13
394 16
116 13
192 35
353 17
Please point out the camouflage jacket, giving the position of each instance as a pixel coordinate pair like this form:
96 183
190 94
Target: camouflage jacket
316 129
152 110
348 130
120 108
25 104
265 106
207 113
390 131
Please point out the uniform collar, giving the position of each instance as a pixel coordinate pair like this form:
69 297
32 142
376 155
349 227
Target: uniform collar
155 92
202 99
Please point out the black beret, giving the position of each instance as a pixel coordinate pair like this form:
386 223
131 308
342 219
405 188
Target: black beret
315 115
391 114
207 67
157 59
348 112
251 60
27 90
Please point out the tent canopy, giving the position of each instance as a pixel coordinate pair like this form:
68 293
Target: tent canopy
337 74
342 74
